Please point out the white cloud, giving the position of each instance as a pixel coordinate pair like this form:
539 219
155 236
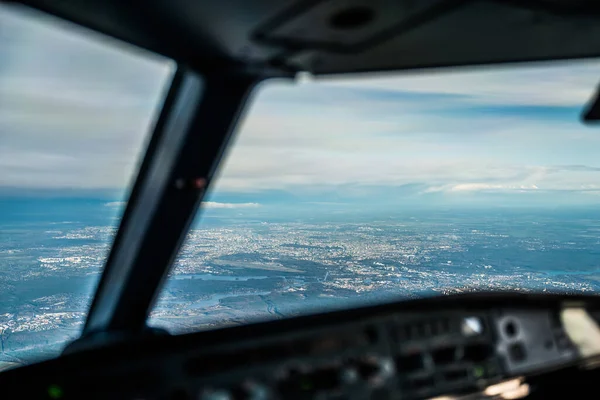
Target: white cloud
566 83
212 204
206 204
359 146
467 187
475 187
116 204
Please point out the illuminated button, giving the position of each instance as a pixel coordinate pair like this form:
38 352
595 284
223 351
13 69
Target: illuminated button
376 370
478 371
348 375
471 326
387 368
55 392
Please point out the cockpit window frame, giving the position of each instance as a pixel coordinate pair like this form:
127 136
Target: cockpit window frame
193 130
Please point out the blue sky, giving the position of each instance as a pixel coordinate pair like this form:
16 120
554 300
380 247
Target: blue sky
75 113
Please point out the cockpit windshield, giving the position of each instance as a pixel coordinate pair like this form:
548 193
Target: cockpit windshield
347 191
75 109
336 192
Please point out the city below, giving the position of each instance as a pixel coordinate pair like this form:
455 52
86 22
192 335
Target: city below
236 270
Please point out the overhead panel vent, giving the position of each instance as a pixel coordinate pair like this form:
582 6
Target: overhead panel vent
341 25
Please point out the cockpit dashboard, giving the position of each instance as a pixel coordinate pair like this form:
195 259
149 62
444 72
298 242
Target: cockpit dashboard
463 346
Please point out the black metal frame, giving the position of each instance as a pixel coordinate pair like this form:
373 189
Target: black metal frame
190 136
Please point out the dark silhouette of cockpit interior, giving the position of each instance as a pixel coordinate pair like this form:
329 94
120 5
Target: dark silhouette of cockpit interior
471 346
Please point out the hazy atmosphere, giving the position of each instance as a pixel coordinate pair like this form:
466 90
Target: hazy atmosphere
75 113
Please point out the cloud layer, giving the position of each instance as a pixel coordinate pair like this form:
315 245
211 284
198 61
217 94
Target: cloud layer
330 133
75 111
213 204
74 107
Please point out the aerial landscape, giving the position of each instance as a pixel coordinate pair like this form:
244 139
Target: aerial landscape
336 192
234 269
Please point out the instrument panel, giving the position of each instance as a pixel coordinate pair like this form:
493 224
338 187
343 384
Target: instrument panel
404 356
386 352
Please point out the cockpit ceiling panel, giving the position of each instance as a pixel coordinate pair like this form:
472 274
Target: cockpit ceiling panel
342 36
